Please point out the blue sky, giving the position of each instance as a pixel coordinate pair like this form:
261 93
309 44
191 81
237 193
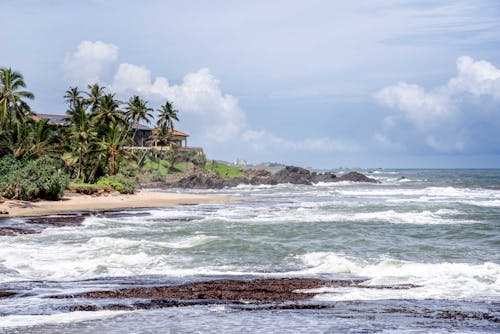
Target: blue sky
324 84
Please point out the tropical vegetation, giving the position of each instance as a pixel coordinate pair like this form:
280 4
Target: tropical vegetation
95 145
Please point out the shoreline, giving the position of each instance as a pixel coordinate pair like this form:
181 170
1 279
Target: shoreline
72 202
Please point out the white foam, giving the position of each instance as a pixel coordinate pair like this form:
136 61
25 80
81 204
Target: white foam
58 318
435 280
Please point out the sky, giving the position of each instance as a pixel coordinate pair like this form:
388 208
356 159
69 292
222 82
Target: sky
322 84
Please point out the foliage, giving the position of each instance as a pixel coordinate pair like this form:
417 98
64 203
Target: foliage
95 145
118 182
225 171
31 179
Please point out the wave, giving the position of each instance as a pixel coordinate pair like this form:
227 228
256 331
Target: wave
58 318
433 280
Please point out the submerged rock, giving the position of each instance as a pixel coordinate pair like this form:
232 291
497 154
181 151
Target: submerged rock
5 294
274 294
12 231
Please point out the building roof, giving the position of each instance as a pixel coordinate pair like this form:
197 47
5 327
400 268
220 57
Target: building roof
139 126
178 133
52 118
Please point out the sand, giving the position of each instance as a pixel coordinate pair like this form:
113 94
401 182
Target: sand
77 202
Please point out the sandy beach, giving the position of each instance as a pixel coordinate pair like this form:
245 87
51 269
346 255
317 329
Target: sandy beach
76 202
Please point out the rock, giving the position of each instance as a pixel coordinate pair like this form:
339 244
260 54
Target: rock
199 181
12 231
261 176
356 177
4 294
290 174
293 175
274 293
324 177
256 290
57 221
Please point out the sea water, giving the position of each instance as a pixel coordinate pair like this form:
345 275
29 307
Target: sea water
438 230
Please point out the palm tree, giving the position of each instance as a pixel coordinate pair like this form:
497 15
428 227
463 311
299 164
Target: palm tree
109 111
137 111
72 95
80 137
114 147
43 139
95 95
166 116
160 134
12 104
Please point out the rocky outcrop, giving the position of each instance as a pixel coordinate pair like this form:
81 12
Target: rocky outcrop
288 174
260 176
293 175
356 177
324 177
261 293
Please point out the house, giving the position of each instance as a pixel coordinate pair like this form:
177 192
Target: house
143 135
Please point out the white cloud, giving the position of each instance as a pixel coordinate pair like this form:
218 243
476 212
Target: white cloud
476 77
442 115
86 64
263 140
424 109
198 93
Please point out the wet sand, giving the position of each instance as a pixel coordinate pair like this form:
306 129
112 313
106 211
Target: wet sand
79 203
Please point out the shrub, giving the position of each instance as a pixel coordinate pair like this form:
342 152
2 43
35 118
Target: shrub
118 182
225 171
40 178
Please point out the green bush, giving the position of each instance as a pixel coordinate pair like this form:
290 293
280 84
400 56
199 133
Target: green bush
118 182
40 178
225 171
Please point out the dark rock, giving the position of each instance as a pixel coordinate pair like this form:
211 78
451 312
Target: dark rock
280 293
293 175
261 176
57 221
234 182
199 181
356 177
289 174
324 177
4 294
12 231
257 290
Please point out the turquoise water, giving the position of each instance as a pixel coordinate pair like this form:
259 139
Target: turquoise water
435 229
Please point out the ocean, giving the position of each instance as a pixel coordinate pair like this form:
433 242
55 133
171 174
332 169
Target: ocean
436 232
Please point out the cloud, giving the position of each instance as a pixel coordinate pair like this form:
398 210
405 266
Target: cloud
218 115
424 109
199 93
86 64
263 140
479 78
452 117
